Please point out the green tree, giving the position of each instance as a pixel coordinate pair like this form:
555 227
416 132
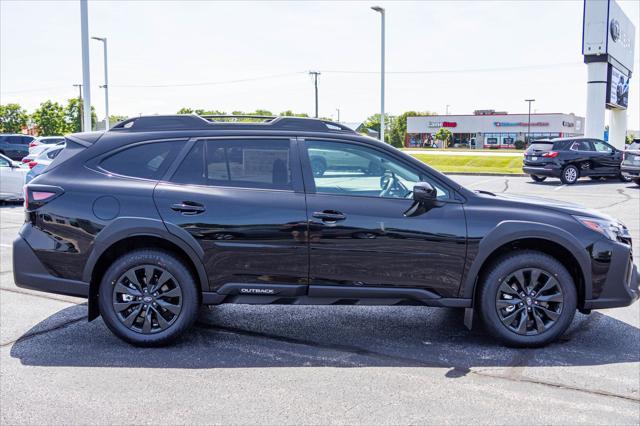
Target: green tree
289 113
443 135
398 132
12 118
50 119
185 111
115 119
373 122
73 116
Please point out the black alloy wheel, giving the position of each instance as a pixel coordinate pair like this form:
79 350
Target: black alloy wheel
147 299
529 301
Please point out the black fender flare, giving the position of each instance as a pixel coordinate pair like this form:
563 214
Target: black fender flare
512 230
121 228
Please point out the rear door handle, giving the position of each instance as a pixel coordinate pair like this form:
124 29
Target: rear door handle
188 207
329 216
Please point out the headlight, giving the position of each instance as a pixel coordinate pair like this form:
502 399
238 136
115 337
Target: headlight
611 229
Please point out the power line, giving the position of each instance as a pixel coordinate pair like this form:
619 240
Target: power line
460 70
207 83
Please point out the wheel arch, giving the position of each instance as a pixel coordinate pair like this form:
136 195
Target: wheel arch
514 235
117 239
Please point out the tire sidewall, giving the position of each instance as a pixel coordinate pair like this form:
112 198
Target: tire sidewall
509 264
537 178
190 297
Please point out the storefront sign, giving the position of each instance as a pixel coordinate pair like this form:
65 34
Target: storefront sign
439 124
520 124
567 124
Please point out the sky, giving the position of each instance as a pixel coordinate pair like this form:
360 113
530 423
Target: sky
164 55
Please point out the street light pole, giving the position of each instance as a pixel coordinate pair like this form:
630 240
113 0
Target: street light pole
79 86
86 79
447 108
382 16
106 83
315 75
338 109
529 123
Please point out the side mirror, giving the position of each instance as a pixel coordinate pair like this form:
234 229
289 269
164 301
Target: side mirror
425 197
424 192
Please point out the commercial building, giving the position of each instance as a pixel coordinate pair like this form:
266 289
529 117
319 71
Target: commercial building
491 129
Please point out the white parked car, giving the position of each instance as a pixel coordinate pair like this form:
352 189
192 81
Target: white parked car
43 142
11 179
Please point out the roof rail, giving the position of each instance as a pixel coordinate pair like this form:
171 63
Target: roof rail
153 123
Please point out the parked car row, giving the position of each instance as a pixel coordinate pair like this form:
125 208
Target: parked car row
569 159
16 170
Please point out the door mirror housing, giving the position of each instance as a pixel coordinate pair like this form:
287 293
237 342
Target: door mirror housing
425 193
425 197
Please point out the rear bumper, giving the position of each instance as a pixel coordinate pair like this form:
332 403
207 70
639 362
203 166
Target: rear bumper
549 170
615 276
30 273
632 171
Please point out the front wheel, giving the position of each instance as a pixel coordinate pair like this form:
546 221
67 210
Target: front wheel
148 298
537 178
570 175
624 178
527 299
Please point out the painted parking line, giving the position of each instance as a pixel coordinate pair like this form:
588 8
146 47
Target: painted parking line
558 188
482 182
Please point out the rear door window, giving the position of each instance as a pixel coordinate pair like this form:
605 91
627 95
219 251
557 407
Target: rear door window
540 147
147 161
238 163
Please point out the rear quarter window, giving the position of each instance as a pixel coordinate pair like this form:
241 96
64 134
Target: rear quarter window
147 161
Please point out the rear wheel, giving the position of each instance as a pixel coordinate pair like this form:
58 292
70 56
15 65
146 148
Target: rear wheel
527 299
570 175
537 178
148 298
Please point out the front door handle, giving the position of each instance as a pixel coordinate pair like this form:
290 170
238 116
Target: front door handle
329 216
188 207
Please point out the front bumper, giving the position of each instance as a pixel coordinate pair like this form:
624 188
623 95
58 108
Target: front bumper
30 273
614 276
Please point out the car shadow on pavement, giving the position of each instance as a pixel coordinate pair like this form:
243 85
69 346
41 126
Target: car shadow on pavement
323 336
580 182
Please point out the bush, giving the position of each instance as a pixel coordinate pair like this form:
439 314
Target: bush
519 144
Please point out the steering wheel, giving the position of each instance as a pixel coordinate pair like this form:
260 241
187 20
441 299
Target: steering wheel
392 186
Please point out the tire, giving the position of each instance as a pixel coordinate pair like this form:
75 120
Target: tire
537 178
559 299
163 313
623 178
637 181
570 175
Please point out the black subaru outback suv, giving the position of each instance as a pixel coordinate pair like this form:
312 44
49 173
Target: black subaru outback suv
571 158
159 215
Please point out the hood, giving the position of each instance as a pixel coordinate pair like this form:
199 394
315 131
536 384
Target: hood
556 205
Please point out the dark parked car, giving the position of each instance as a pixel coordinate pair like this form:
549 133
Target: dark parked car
631 161
571 158
15 147
161 214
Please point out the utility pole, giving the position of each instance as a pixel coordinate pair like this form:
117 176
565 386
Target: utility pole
86 79
106 83
315 75
382 16
79 86
447 108
338 109
529 123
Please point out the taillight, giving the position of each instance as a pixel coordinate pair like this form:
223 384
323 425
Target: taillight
26 160
32 144
36 196
550 154
32 164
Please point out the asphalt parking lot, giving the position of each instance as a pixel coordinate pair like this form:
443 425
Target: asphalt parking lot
320 365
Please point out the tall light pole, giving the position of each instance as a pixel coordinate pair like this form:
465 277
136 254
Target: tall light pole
382 14
529 123
315 75
338 109
106 82
79 86
86 80
447 109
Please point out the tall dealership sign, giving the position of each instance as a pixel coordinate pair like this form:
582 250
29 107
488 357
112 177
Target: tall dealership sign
608 38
